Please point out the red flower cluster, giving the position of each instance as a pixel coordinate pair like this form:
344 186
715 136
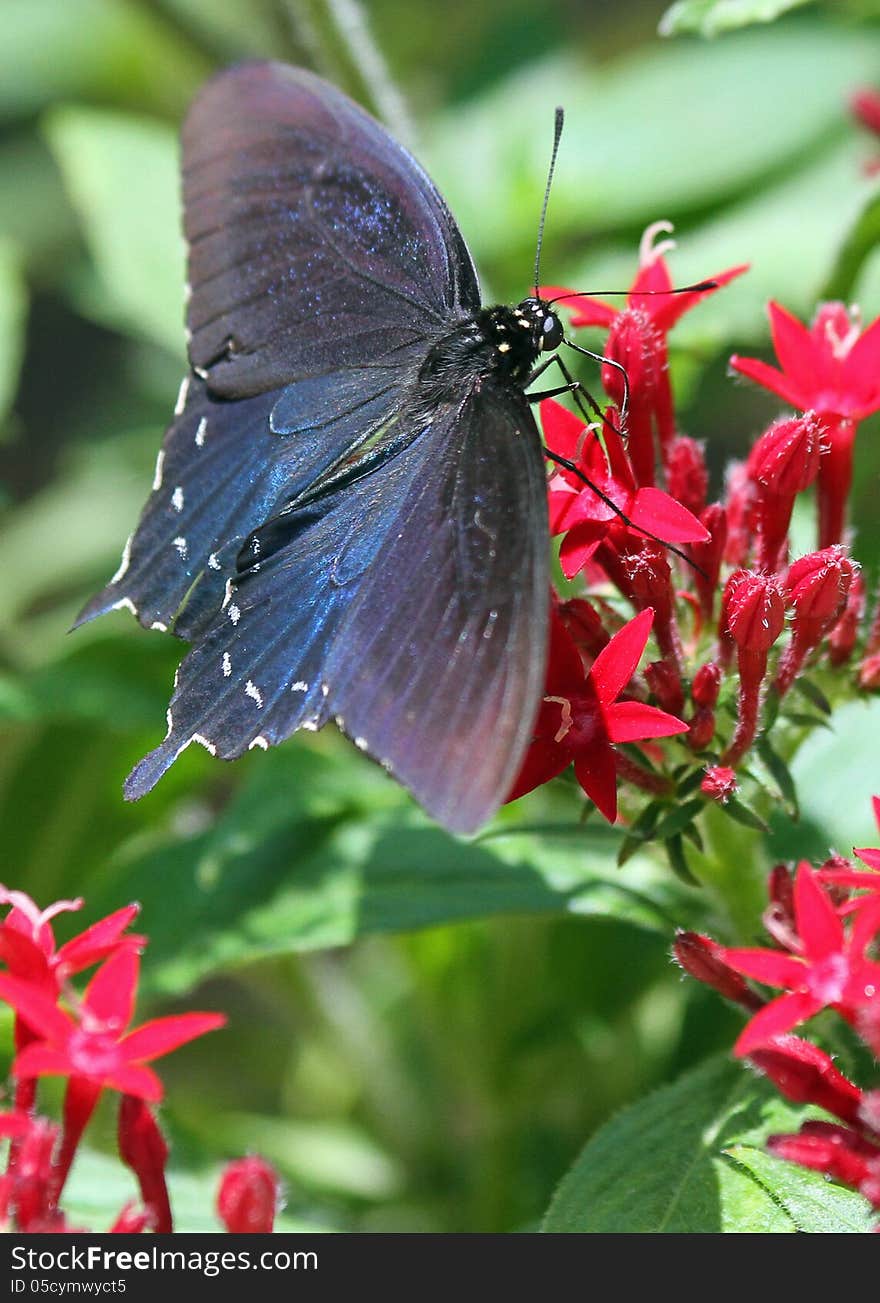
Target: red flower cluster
86 1039
629 500
824 923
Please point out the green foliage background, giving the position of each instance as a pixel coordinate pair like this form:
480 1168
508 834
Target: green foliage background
423 1032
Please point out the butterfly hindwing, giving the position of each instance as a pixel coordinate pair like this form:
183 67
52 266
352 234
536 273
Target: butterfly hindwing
316 242
224 467
411 605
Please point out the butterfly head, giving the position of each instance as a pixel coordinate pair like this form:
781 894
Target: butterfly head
545 326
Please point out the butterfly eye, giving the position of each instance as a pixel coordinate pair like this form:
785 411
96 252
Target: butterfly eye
551 333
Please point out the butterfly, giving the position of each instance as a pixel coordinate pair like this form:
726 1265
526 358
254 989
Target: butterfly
348 519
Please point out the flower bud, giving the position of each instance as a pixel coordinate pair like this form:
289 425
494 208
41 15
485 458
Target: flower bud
752 611
785 459
865 105
708 556
719 784
804 1073
687 478
248 1196
707 684
700 956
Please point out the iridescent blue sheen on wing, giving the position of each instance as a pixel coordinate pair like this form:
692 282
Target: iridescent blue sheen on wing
315 240
410 606
349 515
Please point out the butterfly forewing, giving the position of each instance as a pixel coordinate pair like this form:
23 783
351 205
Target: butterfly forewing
315 240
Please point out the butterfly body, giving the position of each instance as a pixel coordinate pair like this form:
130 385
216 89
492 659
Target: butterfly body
348 520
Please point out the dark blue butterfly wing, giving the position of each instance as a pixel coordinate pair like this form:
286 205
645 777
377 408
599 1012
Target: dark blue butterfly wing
323 252
410 605
316 242
223 468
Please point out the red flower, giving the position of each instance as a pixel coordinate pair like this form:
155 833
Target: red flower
662 308
95 1047
831 970
719 783
637 342
27 942
581 719
579 513
833 368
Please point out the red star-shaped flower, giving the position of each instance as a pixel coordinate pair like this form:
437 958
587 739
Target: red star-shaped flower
649 292
585 518
27 942
833 367
581 719
831 969
95 1047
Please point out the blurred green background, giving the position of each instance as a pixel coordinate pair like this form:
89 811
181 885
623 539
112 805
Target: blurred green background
422 1032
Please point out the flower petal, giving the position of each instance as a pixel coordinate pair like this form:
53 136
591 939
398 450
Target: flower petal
778 1016
543 761
41 1060
563 430
818 926
860 372
163 1035
96 941
632 721
110 995
596 771
134 1079
36 1009
670 309
615 665
767 376
659 514
796 349
771 967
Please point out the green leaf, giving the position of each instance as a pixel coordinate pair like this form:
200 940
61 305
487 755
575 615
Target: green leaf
662 1165
122 176
677 857
679 818
13 314
712 17
858 243
106 49
814 694
742 813
818 1206
686 163
780 773
319 847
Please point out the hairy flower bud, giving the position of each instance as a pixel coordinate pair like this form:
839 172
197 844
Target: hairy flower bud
248 1196
702 958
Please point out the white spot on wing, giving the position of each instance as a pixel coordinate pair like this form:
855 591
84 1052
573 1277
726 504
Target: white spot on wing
181 396
177 499
310 725
227 594
124 604
234 613
124 563
203 742
200 432
361 743
157 475
300 686
227 665
251 690
213 563
157 624
180 544
259 741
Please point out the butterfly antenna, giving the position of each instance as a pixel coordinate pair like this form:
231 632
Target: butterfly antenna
557 134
